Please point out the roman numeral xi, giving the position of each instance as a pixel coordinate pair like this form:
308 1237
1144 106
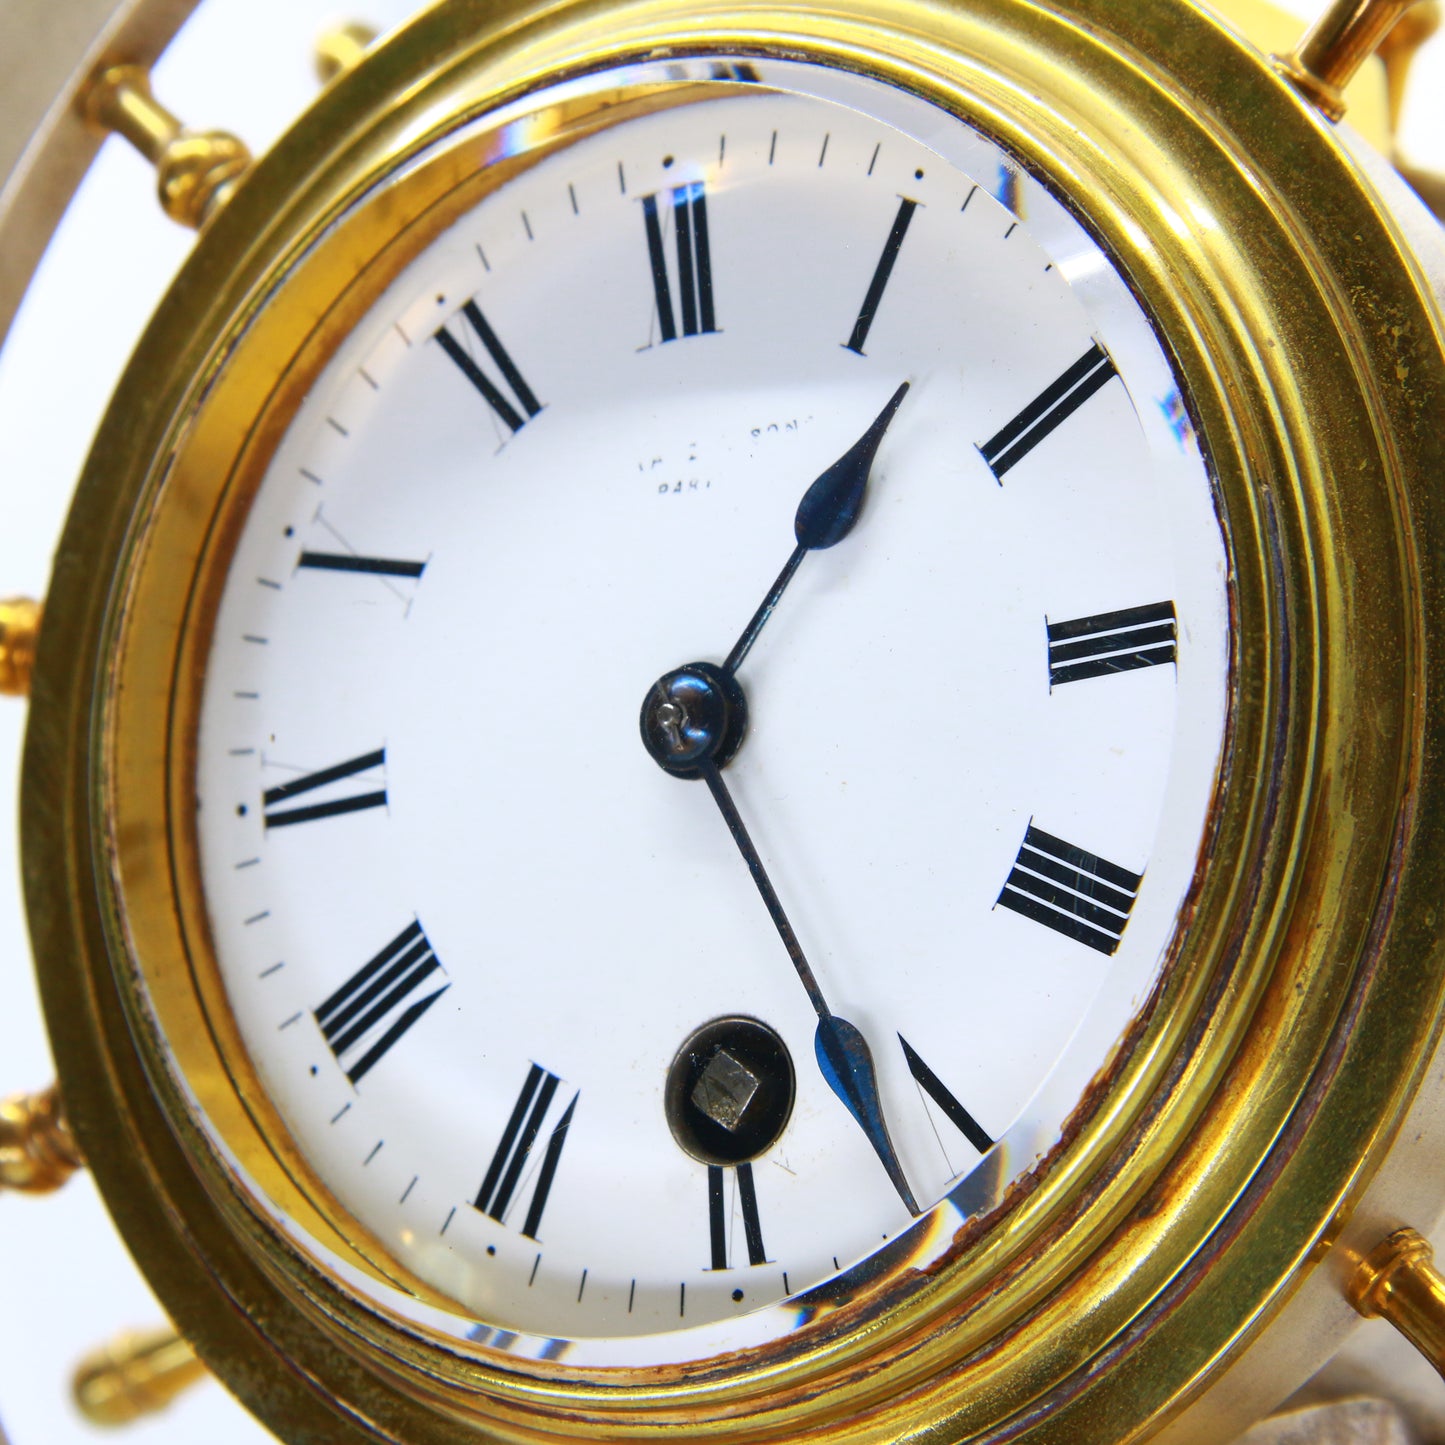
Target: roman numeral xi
1071 890
1112 642
504 1173
376 1006
461 352
694 261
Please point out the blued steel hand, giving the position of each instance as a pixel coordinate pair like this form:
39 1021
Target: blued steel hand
825 516
841 1050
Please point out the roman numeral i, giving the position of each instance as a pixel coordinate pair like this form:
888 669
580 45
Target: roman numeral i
1112 642
379 996
504 1173
460 353
881 272
694 262
717 1215
1071 890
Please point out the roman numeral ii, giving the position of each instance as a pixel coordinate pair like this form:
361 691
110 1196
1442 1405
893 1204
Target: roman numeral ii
275 817
504 1173
1071 890
375 1007
694 261
1048 411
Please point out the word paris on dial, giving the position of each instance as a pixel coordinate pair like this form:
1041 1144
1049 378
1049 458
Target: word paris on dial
620 983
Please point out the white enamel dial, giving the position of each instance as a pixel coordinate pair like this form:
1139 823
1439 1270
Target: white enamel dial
465 919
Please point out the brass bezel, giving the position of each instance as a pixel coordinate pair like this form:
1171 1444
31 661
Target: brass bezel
1264 1085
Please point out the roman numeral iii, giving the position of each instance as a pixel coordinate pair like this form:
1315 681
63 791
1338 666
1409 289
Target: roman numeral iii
1048 411
460 351
694 261
376 1006
1112 642
275 817
1071 890
504 1173
717 1215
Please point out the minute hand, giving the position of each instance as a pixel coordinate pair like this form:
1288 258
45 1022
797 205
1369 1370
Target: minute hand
842 1051
825 516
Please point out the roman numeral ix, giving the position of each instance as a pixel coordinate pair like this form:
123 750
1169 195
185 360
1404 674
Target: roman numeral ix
881 273
1070 890
504 1173
379 996
694 261
1046 413
1112 642
275 817
347 562
491 393
717 1215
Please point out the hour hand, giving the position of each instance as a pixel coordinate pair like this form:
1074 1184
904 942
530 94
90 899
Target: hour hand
826 515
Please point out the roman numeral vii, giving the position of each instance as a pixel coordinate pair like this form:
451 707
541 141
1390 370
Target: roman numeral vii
275 817
504 1173
376 1006
1071 890
694 261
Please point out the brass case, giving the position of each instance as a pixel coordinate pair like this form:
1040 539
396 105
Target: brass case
1259 1090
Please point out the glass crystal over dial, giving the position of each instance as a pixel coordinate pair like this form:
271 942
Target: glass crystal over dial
713 714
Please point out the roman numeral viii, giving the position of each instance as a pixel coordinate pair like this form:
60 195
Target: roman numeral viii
717 1215
1071 890
504 1173
694 261
375 1006
461 351
1048 411
275 817
1112 642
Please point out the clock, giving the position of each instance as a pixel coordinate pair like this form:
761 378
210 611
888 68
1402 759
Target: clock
749 755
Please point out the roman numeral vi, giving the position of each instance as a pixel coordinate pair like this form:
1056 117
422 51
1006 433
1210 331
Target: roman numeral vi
379 996
717 1215
1071 890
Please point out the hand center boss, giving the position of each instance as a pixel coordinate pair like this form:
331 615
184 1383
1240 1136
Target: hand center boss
694 720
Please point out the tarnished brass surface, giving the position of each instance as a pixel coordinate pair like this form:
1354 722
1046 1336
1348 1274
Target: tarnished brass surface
195 171
137 1374
1337 45
341 48
19 633
38 1153
1263 1083
1398 1282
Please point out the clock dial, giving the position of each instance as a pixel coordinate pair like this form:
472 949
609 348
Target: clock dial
601 1048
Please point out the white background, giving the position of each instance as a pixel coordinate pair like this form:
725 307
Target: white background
65 1280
